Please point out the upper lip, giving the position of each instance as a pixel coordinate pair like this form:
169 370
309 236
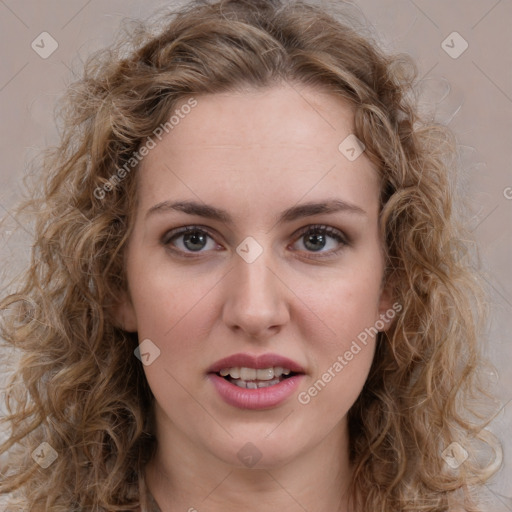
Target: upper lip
258 362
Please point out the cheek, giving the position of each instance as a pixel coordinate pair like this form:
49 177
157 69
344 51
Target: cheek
166 298
347 302
350 313
341 335
174 312
341 356
330 394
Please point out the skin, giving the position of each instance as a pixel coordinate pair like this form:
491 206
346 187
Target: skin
255 154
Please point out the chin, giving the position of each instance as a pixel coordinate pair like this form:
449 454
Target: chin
252 450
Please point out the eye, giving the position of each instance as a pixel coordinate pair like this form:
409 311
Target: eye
321 239
191 239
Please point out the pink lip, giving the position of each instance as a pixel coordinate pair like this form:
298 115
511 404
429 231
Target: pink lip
258 362
261 398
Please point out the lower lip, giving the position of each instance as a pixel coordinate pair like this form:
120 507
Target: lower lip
261 398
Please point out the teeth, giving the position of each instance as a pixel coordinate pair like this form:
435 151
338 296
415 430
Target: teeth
265 374
255 385
246 374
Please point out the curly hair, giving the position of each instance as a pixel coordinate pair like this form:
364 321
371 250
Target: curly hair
74 388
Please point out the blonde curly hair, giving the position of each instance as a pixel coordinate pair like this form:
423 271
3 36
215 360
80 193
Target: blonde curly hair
75 389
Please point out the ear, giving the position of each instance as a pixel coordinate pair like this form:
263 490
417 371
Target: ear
123 313
387 308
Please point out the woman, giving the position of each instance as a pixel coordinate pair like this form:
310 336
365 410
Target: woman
246 289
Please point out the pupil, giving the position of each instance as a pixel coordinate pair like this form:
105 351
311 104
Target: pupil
316 239
195 241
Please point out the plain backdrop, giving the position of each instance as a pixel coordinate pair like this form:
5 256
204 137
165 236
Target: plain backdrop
463 51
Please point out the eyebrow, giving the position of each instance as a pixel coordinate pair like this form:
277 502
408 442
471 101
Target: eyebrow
289 215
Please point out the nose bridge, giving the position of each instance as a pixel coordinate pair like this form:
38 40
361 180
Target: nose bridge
255 281
255 299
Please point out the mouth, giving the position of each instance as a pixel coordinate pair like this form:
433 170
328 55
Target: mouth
252 378
255 382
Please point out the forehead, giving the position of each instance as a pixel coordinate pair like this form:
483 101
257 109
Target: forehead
279 141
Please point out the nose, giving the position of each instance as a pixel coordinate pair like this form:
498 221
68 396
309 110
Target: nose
257 301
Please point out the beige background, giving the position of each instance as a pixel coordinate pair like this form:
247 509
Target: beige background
473 93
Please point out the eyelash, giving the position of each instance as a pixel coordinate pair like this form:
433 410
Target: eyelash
316 229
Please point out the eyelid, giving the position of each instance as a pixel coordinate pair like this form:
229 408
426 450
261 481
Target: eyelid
331 231
172 233
324 228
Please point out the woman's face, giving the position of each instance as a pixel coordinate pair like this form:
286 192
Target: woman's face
280 267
